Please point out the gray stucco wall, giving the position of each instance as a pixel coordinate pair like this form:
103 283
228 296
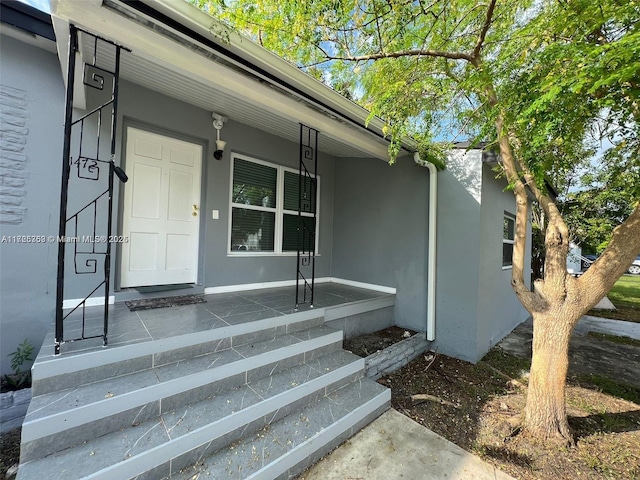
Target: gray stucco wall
499 310
380 230
476 305
148 110
458 241
30 161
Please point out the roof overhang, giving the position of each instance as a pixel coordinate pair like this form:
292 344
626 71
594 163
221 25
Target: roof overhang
173 44
27 24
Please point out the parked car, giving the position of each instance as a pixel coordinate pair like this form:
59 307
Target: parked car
635 266
587 260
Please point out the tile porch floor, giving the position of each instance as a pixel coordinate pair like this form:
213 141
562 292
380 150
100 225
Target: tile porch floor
220 310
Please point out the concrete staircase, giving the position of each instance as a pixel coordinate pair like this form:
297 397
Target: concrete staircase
263 399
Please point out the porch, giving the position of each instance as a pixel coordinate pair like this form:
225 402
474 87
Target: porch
238 387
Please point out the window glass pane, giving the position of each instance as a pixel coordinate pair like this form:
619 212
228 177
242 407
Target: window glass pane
252 230
290 234
254 184
507 254
291 188
508 228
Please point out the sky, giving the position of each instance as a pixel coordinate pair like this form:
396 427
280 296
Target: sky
39 4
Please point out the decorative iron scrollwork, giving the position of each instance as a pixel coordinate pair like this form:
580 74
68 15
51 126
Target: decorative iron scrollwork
307 198
84 135
94 77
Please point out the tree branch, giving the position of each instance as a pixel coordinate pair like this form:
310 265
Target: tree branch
485 29
529 299
406 53
596 282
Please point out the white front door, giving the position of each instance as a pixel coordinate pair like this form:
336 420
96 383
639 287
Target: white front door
161 215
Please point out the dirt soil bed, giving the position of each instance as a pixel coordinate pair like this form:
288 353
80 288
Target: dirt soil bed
9 450
365 345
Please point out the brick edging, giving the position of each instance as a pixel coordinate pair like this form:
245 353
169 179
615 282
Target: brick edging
13 408
396 356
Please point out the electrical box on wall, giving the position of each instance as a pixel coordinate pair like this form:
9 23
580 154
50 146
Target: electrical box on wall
215 214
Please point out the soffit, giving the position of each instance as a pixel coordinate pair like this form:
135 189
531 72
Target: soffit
189 73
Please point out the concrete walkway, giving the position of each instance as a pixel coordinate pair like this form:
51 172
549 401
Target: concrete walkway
604 325
588 355
395 447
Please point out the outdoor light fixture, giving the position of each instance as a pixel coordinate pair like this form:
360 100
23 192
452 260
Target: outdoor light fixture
218 122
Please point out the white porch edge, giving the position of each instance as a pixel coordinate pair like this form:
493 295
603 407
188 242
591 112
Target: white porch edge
91 302
368 286
257 286
291 283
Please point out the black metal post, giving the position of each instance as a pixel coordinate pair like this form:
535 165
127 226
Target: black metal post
307 185
107 259
86 259
64 188
300 232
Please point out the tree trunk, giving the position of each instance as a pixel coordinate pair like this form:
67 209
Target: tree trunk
545 413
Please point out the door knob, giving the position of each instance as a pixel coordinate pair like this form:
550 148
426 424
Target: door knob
195 211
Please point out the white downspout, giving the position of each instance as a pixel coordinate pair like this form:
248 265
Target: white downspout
431 258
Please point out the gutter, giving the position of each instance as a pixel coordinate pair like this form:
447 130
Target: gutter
431 258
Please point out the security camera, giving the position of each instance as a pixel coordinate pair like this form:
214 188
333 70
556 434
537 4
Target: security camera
218 122
220 144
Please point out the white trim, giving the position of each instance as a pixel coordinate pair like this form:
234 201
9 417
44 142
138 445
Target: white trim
257 286
368 286
508 241
291 283
91 302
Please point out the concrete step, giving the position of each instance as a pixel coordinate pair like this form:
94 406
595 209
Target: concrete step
63 419
183 435
52 374
287 447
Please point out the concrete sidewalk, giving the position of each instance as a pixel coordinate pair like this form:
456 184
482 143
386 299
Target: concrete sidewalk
395 447
604 325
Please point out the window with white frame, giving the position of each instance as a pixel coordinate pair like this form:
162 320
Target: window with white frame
508 237
264 207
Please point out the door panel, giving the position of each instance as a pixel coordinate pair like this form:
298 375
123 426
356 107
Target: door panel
161 210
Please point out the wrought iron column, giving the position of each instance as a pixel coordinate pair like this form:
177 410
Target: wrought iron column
90 237
307 203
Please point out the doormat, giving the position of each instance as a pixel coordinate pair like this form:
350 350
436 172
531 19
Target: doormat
149 303
163 288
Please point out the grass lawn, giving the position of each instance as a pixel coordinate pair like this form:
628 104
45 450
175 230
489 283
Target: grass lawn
625 295
626 291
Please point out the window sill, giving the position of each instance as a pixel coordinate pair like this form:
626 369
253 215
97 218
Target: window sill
507 267
264 254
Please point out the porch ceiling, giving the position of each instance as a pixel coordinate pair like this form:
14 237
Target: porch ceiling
168 62
236 108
